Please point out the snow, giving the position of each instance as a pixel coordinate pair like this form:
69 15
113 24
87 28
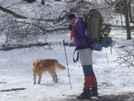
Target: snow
15 71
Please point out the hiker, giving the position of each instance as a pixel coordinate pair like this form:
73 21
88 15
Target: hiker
80 40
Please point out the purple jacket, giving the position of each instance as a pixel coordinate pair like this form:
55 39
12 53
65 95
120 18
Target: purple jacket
80 38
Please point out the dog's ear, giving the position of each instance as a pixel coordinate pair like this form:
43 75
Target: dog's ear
37 62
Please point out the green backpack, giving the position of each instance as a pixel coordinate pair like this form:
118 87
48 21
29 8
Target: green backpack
94 21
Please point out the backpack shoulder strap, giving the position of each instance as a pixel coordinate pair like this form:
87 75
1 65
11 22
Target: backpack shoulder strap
77 57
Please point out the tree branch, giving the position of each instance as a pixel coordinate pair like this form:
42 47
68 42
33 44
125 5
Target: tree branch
21 16
13 89
12 13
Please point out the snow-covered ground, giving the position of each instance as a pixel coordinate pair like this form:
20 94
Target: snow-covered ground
15 71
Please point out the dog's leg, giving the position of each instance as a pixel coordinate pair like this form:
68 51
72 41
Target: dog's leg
54 76
39 78
34 77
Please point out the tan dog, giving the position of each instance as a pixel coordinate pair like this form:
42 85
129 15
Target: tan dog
42 65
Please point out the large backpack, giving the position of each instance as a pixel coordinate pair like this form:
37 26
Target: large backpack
94 21
95 31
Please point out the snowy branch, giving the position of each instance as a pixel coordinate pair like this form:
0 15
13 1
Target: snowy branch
12 13
13 89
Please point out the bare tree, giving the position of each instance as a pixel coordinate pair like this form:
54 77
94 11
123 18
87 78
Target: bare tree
130 11
126 11
123 7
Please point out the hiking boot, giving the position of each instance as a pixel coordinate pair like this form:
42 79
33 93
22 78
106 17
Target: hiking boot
85 94
94 92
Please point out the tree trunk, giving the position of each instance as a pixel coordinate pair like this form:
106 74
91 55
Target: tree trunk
130 14
126 11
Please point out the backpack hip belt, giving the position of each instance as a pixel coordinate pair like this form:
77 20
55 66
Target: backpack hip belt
83 46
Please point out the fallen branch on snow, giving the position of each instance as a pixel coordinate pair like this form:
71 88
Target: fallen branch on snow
2 82
13 89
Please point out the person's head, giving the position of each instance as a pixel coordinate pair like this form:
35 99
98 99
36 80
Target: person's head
71 19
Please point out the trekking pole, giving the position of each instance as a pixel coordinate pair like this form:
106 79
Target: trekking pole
67 64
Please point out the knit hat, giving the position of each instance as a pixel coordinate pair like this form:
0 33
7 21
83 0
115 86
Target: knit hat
70 17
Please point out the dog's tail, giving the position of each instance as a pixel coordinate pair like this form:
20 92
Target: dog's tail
58 65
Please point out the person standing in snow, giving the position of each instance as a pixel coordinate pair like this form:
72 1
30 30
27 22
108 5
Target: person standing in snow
80 40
